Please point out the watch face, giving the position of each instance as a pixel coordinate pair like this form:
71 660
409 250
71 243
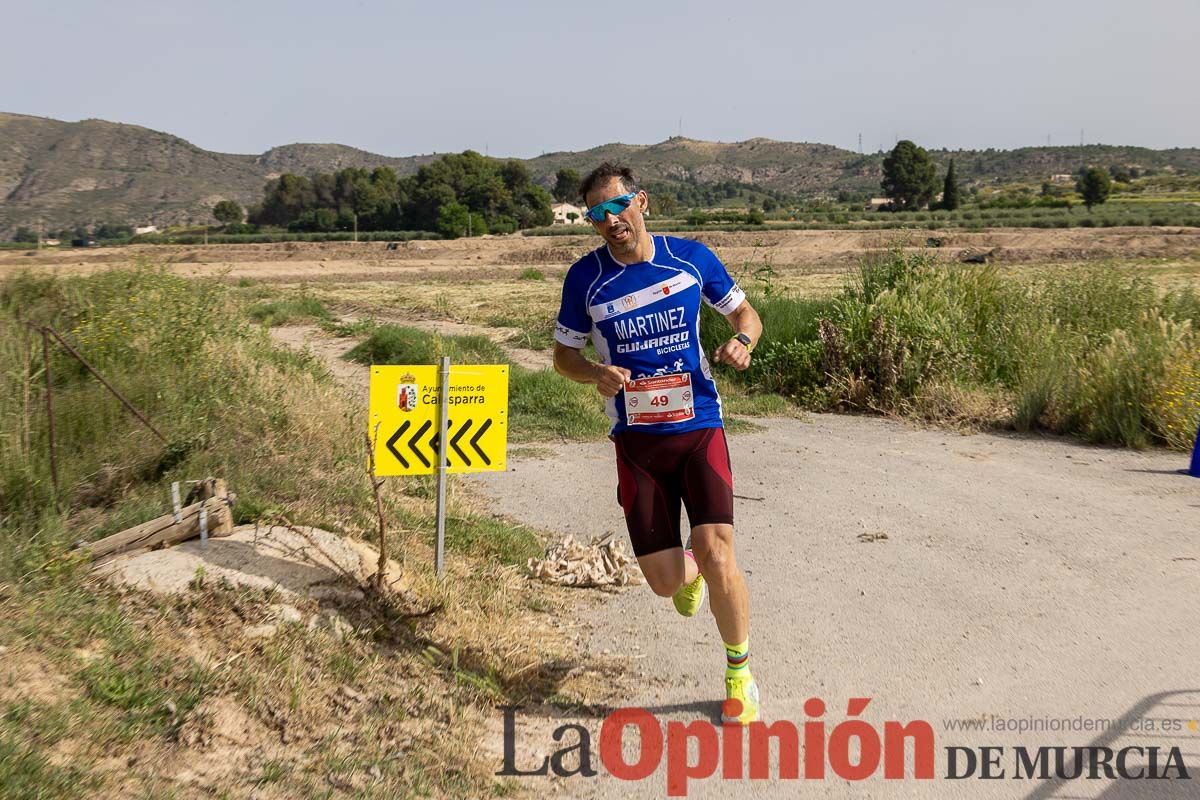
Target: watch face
743 338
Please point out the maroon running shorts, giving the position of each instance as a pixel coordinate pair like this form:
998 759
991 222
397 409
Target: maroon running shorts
656 471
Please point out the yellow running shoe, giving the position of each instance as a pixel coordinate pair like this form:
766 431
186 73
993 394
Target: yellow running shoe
688 598
743 691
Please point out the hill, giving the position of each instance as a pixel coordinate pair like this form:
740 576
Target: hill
69 173
61 174
814 169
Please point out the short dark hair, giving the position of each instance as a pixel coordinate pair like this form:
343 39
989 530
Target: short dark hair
605 172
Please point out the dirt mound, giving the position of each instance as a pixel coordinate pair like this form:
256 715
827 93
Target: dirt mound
295 562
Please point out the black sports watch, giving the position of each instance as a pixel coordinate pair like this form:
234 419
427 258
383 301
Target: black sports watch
745 340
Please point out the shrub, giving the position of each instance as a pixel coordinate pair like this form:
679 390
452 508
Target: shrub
1093 351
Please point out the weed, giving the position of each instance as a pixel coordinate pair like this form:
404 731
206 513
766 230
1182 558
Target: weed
289 310
272 771
26 773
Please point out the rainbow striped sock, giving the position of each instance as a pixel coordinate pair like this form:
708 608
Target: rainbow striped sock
737 659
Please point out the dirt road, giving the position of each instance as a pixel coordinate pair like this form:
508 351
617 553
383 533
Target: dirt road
1042 589
945 577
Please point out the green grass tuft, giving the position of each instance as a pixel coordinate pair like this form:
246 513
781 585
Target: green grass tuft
289 310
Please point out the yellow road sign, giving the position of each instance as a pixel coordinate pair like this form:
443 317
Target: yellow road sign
404 405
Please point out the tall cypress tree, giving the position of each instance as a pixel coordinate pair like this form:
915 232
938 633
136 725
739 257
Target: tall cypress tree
950 199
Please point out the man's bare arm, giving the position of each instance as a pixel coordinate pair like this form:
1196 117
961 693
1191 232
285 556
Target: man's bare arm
744 319
571 363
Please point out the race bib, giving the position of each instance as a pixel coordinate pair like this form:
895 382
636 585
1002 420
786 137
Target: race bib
662 398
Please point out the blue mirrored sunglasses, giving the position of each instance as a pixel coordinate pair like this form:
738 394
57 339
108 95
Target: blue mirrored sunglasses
613 206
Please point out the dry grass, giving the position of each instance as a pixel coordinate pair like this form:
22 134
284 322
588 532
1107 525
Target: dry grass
145 696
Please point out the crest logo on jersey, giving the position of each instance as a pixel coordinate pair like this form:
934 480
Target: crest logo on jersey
406 393
611 309
628 301
666 289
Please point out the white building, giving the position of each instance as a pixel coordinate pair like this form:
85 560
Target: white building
562 210
145 229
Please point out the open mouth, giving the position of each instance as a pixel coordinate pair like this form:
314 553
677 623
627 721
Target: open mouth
620 234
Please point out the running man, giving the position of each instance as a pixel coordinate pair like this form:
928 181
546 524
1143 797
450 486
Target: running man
638 299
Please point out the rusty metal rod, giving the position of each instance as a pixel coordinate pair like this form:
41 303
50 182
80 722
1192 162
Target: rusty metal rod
50 409
79 357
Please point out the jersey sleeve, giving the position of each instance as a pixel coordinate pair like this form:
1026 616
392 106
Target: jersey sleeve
574 322
720 290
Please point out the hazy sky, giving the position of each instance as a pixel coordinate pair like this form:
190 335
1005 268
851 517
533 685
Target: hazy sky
520 79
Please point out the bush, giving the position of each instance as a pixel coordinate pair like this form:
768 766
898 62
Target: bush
1092 351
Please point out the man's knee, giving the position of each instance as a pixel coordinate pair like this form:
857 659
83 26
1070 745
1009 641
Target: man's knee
664 573
713 546
663 587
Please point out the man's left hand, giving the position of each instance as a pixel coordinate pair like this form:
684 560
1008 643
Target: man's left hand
733 353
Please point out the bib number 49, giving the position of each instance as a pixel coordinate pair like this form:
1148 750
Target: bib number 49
659 399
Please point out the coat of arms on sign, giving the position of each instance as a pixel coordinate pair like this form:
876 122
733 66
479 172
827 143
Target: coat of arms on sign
406 392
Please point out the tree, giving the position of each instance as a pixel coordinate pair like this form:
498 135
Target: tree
112 230
25 235
566 185
909 176
950 198
285 199
316 220
453 218
1120 173
1094 187
227 211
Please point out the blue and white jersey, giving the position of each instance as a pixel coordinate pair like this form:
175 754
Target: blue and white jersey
645 317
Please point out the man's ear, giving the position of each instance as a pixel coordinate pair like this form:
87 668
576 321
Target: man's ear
644 201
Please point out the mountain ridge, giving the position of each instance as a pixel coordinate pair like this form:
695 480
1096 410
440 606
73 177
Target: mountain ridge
59 174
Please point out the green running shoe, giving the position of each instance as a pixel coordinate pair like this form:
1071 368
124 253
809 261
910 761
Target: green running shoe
688 598
744 690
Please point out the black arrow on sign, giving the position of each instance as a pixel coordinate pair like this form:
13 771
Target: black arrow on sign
391 443
412 443
487 423
434 444
459 435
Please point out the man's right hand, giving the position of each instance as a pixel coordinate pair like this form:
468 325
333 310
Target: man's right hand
610 379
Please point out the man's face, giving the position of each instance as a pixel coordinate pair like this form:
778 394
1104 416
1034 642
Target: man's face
622 231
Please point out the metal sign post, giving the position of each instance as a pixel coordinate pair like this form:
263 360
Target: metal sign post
443 416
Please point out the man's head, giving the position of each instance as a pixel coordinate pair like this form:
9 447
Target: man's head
623 229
